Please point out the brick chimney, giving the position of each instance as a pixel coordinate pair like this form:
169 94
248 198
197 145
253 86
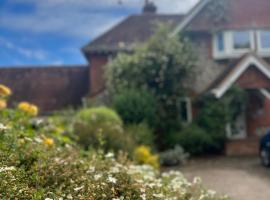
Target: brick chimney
149 7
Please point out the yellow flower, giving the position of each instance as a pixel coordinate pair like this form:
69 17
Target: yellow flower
3 104
143 155
28 108
4 91
48 141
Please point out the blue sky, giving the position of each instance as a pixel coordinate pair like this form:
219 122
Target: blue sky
51 32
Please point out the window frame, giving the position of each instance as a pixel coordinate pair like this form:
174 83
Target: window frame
242 50
261 49
229 50
187 100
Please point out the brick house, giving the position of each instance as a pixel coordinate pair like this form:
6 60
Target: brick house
233 49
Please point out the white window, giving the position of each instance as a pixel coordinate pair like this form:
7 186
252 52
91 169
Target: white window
220 44
186 110
241 40
263 38
232 44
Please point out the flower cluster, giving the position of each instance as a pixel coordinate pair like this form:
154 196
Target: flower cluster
5 92
28 108
143 155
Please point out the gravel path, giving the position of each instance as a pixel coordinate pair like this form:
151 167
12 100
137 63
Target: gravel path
240 178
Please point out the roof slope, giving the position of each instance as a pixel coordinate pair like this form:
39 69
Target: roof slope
226 80
134 29
240 14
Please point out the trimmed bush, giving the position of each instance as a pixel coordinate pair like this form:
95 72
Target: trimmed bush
141 133
102 128
135 106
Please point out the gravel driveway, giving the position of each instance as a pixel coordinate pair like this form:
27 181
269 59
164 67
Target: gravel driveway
240 178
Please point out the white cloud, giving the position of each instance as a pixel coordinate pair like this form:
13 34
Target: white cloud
28 53
84 18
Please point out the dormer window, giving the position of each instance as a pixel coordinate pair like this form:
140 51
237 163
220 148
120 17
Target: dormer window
233 44
220 42
264 40
241 40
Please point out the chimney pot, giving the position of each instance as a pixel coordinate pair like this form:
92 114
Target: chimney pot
149 7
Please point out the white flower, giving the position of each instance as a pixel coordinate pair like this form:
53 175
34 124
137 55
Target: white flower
4 169
78 188
3 127
48 199
158 195
112 179
91 170
97 177
143 196
109 155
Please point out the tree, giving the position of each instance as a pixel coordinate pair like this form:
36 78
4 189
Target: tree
162 67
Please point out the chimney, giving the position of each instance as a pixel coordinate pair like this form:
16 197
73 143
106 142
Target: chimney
149 7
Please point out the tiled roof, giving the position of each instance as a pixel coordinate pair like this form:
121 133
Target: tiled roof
134 29
239 14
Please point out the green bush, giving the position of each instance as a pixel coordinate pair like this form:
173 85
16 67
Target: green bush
193 139
141 133
135 106
101 128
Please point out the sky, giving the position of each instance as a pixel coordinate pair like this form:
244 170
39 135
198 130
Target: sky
52 32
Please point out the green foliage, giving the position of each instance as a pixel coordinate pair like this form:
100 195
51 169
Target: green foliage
141 133
35 165
135 106
193 139
215 114
161 67
101 128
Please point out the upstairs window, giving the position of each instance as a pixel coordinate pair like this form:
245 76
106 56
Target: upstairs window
220 42
241 40
264 39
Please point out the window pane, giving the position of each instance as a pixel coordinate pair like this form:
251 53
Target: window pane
241 40
220 42
265 39
184 110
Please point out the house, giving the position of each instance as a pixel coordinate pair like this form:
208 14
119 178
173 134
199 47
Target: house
233 44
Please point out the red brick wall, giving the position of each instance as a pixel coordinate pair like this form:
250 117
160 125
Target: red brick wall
253 79
97 82
51 88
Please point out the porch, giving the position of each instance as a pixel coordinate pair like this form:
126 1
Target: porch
253 75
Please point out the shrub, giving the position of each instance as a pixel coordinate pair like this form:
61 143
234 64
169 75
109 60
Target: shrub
161 66
141 133
172 157
34 164
101 128
135 106
193 139
143 155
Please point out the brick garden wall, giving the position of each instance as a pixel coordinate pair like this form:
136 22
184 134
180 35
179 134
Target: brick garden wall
51 88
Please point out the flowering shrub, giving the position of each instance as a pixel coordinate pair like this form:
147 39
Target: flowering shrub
36 164
143 155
